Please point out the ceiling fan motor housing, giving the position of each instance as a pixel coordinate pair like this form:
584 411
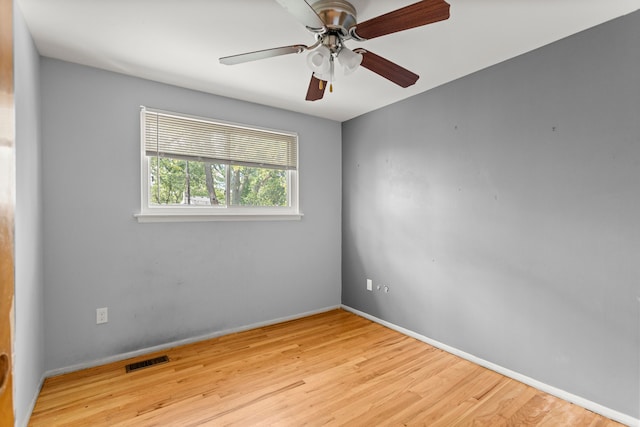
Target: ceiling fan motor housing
338 15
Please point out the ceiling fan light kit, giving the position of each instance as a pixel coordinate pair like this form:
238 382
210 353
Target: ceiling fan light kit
319 59
335 21
349 60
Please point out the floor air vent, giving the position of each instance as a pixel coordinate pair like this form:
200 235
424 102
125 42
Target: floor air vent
146 363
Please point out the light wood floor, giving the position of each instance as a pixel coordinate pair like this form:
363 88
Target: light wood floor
334 368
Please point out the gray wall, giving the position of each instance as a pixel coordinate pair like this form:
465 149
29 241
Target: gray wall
29 338
168 281
502 209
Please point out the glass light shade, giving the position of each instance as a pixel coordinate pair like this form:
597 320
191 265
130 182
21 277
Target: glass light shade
329 75
349 60
325 77
319 59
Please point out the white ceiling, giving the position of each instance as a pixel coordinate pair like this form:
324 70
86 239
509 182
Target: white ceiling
179 42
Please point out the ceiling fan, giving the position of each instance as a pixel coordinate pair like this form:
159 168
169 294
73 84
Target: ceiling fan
333 22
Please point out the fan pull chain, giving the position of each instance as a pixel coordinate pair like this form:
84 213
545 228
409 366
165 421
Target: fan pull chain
331 74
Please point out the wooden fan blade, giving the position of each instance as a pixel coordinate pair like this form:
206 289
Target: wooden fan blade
262 54
304 13
387 69
415 15
316 89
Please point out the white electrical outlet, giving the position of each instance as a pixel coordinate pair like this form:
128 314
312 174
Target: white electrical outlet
369 284
102 315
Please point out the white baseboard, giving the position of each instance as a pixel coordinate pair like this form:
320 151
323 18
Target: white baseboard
569 397
143 351
32 405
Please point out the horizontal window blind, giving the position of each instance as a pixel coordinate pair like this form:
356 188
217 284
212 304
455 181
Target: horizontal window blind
188 138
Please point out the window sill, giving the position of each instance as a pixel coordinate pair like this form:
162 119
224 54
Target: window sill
184 217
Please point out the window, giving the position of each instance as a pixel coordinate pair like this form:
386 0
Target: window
197 168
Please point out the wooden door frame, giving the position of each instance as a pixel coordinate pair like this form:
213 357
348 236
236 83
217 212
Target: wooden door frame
7 212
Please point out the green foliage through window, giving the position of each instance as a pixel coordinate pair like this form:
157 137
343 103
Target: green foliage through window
181 182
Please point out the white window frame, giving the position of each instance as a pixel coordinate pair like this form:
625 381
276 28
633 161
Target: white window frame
152 213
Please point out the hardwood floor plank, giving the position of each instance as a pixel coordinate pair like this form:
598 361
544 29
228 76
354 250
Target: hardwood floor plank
332 368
